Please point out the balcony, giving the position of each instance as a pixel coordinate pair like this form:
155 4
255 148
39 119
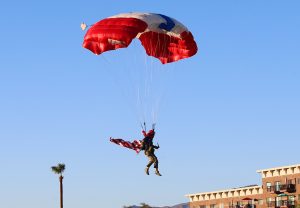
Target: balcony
277 189
249 206
291 188
282 204
243 206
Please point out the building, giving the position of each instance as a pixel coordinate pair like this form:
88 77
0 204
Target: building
280 189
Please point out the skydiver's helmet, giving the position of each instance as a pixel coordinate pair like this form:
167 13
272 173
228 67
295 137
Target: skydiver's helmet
151 133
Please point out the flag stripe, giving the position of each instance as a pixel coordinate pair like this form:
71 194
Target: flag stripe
135 145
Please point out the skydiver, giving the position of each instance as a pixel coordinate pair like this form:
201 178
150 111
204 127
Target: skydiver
149 149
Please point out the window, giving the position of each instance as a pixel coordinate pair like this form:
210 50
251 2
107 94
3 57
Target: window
292 198
269 185
277 186
278 201
269 200
212 206
202 206
260 202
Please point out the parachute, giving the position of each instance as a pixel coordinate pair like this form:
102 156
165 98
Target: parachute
162 37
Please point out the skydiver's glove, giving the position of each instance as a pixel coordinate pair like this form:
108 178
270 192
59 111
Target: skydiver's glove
157 146
153 126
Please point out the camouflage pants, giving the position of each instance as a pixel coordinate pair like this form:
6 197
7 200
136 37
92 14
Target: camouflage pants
152 159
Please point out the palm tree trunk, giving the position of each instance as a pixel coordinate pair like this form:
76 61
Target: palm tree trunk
61 190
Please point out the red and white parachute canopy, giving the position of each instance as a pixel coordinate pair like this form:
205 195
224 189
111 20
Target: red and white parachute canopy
162 37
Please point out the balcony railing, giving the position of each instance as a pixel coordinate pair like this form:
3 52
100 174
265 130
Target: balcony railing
290 188
243 206
282 203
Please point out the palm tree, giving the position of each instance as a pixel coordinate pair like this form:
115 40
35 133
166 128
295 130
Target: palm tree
59 169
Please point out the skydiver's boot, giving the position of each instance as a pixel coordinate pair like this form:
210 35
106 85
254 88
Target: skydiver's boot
147 170
157 172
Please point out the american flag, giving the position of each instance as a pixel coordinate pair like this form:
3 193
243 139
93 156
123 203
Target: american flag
135 145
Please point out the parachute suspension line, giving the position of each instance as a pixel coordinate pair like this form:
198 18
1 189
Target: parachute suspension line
149 80
154 71
106 59
162 73
143 125
153 115
146 84
153 110
137 77
137 73
141 107
114 74
143 81
155 104
151 88
133 75
118 72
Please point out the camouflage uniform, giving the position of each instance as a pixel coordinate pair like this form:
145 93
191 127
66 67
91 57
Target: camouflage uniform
149 152
149 149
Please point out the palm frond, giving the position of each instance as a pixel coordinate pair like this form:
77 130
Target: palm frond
55 169
62 167
59 169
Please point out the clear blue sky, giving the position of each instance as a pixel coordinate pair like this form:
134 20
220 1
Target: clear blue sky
228 111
